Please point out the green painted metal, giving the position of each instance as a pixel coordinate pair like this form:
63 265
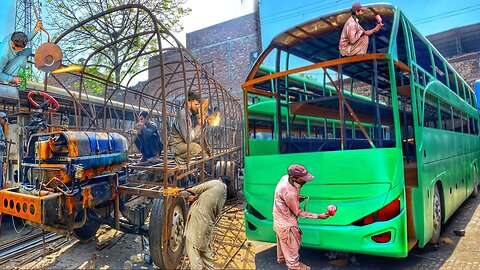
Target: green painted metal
357 188
360 182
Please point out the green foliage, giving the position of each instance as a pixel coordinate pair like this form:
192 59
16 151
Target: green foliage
308 77
106 46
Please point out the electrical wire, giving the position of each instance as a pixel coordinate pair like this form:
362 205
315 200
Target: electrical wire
15 228
315 6
302 12
443 16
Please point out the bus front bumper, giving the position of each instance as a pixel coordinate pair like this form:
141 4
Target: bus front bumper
357 239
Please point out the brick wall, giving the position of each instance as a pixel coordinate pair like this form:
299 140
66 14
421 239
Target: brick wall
467 66
227 50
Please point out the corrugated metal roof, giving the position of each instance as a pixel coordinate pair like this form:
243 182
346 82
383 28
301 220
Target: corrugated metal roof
457 41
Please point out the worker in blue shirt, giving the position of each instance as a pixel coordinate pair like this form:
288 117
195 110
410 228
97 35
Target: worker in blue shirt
14 55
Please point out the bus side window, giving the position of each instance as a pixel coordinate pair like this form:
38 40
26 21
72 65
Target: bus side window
472 123
430 113
447 119
465 124
457 121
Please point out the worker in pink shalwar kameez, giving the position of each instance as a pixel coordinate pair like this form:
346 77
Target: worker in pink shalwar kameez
354 39
286 211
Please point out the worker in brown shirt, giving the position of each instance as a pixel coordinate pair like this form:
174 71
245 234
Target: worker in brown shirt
354 39
208 201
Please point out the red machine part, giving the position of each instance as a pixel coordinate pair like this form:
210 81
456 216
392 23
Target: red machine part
51 100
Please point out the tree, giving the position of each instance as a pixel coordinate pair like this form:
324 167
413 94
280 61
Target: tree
104 42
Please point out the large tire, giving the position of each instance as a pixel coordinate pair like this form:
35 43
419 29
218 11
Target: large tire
172 255
437 216
88 231
475 184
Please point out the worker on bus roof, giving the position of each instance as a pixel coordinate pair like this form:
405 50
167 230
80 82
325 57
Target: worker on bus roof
354 39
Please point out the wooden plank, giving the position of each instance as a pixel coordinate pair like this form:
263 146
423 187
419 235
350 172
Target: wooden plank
325 64
410 174
402 66
410 224
404 90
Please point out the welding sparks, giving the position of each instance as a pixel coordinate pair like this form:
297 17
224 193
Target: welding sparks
214 120
70 68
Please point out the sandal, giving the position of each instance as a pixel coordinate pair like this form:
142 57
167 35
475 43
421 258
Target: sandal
304 267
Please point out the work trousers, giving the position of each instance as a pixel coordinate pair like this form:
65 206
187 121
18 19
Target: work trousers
359 47
1 173
288 245
180 151
18 62
199 259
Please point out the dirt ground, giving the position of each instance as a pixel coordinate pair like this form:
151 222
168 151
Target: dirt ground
115 250
112 249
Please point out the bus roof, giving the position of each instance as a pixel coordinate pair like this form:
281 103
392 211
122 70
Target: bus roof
316 41
321 31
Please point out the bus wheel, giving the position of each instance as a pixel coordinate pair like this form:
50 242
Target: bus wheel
89 229
437 216
475 184
169 256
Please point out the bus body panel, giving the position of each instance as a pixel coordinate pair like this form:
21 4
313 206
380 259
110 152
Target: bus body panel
358 189
342 238
435 140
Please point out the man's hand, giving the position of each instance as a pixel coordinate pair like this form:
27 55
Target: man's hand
17 80
377 27
201 119
323 215
140 125
132 131
191 198
38 26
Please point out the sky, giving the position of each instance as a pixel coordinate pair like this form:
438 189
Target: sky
429 16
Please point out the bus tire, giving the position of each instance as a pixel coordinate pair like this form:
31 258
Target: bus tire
437 215
170 257
88 231
475 184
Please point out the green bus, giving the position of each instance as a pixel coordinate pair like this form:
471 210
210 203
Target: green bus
391 136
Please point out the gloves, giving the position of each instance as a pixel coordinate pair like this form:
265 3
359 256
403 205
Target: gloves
185 193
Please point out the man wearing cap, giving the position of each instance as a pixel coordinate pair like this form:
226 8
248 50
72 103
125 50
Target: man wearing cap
286 211
148 140
3 121
14 55
354 39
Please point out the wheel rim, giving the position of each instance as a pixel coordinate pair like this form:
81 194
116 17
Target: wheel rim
178 225
437 212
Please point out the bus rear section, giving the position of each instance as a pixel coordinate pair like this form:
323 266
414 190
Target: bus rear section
391 135
365 185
